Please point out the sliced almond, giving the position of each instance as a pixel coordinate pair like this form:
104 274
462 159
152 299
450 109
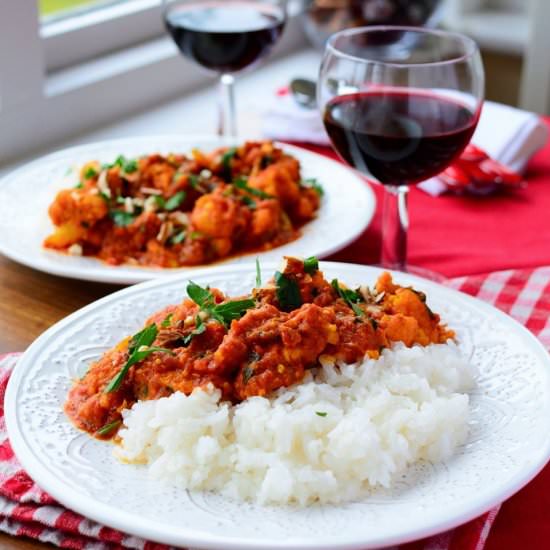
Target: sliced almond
103 184
150 191
75 250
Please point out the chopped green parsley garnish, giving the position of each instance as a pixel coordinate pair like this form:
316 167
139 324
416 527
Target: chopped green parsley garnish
178 238
227 159
240 183
248 372
130 166
121 218
251 203
200 327
175 201
288 292
223 313
108 428
79 185
314 184
139 349
90 173
311 265
258 274
167 321
320 413
349 296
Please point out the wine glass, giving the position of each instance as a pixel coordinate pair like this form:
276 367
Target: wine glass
323 18
399 105
225 37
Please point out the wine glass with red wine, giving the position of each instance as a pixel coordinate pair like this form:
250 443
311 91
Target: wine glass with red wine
399 105
225 37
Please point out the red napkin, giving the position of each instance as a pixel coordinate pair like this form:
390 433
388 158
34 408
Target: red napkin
26 510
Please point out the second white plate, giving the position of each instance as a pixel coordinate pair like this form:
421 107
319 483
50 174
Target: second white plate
25 195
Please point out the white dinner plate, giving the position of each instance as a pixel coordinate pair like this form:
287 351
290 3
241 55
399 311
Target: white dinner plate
25 195
508 443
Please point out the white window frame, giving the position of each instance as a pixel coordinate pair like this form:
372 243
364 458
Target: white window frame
53 87
96 32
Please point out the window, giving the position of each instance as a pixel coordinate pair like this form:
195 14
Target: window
79 30
50 9
70 65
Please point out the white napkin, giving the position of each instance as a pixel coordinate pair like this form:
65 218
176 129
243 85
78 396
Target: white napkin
508 135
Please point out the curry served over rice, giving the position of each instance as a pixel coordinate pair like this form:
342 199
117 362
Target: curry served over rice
251 345
179 210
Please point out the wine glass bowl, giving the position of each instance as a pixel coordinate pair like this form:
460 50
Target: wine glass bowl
405 104
322 18
225 37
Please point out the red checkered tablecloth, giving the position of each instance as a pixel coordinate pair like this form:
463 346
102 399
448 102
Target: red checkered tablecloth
25 510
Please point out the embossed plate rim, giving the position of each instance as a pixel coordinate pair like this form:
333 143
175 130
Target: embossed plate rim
358 191
449 517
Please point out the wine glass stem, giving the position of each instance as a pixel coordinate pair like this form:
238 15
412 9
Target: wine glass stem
228 116
395 225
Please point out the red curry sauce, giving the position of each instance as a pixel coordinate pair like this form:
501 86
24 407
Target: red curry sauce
270 346
177 210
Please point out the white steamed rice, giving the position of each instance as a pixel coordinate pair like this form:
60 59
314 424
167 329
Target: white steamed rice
341 432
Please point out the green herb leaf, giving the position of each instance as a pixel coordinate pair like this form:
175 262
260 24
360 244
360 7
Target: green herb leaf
349 296
178 238
314 184
248 372
224 313
201 296
90 173
121 218
105 197
108 428
288 292
144 337
195 235
120 200
227 158
200 327
258 274
194 181
139 348
240 183
79 185
320 413
233 310
160 201
311 265
173 202
129 166
167 321
251 203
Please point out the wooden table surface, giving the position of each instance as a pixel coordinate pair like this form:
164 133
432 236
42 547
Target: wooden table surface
30 302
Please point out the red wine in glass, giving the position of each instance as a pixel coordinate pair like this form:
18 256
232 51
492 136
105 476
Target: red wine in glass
222 36
399 137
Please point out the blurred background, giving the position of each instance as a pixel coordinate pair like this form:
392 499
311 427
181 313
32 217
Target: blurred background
83 63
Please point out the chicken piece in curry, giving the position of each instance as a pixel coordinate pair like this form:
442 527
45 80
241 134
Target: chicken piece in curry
252 345
178 210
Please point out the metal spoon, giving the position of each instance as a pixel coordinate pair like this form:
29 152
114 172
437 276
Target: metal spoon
304 92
